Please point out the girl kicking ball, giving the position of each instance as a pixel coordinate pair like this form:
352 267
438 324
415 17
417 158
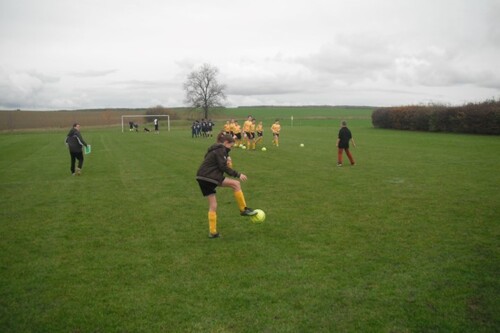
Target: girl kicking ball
211 174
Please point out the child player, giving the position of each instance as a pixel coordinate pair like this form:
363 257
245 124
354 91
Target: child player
252 135
259 129
237 133
246 130
276 128
227 127
211 174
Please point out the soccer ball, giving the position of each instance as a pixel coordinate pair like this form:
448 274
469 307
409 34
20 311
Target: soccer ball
302 145
259 217
243 147
264 149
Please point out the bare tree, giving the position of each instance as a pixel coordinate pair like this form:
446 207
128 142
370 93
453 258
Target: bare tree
203 90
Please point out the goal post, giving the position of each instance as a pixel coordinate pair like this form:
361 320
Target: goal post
146 116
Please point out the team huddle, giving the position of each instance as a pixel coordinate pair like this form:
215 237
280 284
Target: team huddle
251 134
202 128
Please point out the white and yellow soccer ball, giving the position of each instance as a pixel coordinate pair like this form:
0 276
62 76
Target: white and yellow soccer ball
243 147
264 148
259 217
302 145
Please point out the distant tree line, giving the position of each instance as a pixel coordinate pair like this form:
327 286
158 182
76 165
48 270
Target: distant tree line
474 118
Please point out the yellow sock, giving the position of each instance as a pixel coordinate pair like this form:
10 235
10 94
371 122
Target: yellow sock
212 222
240 200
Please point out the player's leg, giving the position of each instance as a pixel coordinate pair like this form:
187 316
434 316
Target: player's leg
339 156
208 191
349 156
79 156
73 161
212 216
238 195
259 139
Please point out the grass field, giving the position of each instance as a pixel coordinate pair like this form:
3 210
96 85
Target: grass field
405 241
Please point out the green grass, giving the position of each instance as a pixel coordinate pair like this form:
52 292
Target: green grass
406 241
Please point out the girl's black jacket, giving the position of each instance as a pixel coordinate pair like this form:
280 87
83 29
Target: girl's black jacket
215 165
75 141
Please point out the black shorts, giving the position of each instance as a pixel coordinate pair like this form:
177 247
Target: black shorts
207 188
250 135
259 134
238 136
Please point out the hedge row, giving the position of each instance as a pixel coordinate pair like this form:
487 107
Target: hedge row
476 118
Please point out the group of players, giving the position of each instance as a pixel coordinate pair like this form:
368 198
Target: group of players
251 133
202 128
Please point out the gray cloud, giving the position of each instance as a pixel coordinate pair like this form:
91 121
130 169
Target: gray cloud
93 73
261 88
350 58
24 88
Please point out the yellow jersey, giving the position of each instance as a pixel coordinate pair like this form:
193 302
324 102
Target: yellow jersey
276 128
246 125
236 129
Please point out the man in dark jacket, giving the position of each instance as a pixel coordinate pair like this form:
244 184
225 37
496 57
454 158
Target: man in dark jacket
211 174
75 143
343 144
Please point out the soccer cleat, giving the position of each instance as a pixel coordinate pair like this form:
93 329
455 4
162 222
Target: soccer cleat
248 212
339 164
216 235
78 171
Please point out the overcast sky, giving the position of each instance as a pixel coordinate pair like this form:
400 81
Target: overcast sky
70 54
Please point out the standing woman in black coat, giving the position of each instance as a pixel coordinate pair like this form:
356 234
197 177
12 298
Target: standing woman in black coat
75 143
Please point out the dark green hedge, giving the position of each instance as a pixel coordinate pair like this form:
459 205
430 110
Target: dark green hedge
476 118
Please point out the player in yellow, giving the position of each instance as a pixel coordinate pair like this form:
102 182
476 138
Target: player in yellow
227 127
252 135
231 127
246 130
237 133
276 128
259 129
